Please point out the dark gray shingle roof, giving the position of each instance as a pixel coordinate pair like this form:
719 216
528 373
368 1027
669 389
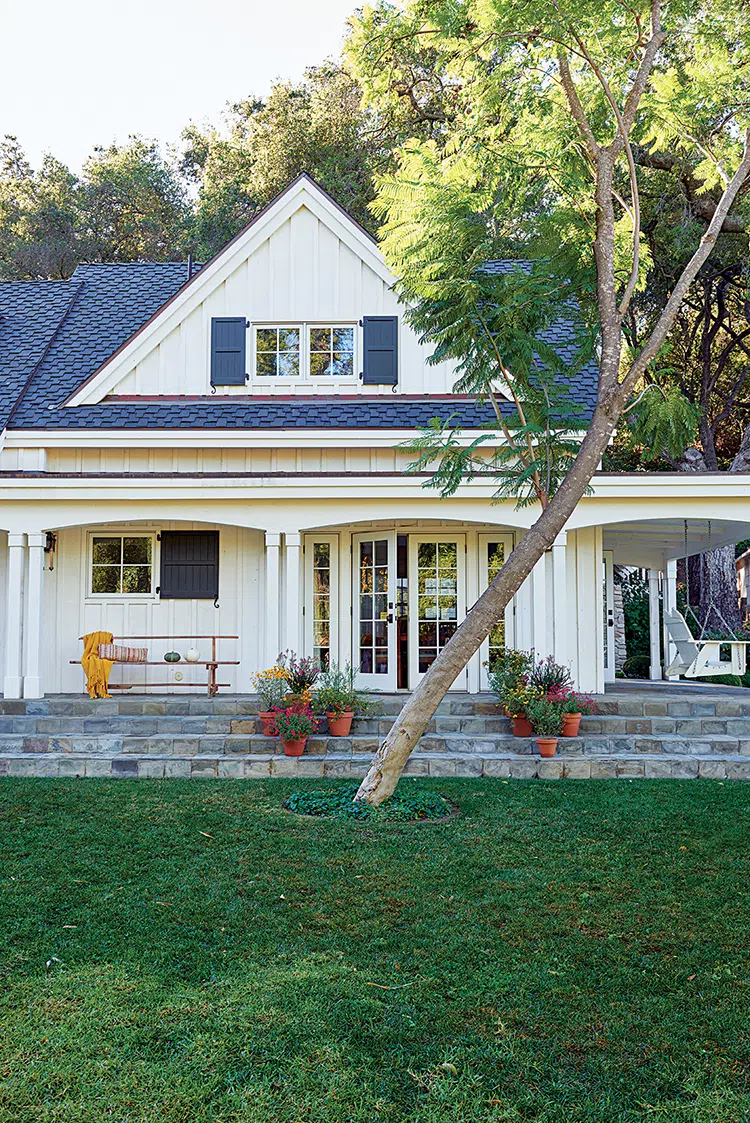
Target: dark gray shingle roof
56 334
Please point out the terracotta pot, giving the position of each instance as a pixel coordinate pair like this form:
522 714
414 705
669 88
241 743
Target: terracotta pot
547 745
294 748
266 721
340 724
571 725
521 726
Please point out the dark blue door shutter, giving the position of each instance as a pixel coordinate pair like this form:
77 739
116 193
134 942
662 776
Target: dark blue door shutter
228 345
189 564
380 367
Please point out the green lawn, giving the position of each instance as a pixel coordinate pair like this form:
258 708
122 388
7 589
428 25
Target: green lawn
189 951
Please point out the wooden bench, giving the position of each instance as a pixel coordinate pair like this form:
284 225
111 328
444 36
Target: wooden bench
211 665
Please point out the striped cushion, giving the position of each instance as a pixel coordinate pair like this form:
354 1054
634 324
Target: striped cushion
123 654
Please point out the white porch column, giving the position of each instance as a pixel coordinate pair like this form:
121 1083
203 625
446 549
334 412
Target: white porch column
273 545
542 640
669 587
13 682
653 624
292 638
560 599
34 606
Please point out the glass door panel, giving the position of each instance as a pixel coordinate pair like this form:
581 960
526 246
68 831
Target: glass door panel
438 604
374 641
608 593
494 550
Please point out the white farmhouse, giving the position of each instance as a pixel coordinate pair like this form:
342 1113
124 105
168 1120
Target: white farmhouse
214 452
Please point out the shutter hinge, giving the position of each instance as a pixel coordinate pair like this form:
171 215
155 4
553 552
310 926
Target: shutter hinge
158 538
247 324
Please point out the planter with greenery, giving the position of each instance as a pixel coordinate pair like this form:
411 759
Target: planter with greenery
337 697
574 707
271 687
508 671
546 717
293 726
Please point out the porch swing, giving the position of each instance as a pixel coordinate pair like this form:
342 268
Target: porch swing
701 657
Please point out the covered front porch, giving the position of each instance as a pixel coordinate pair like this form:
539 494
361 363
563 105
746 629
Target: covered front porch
375 574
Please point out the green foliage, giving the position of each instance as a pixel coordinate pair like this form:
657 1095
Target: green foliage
547 716
230 977
510 668
663 420
635 606
405 806
336 692
128 204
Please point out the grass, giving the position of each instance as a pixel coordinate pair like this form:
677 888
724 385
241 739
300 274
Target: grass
191 952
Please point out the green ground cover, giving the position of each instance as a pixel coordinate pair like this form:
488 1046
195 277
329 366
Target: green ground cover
191 952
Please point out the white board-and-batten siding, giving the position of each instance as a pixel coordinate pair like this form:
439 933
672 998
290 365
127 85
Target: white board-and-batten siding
302 273
70 611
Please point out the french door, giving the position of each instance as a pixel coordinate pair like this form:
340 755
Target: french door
373 604
494 551
438 604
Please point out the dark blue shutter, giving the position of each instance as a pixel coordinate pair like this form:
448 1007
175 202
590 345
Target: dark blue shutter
228 343
380 340
189 564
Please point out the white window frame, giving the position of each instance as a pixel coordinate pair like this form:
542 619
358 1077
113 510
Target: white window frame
309 541
304 327
155 561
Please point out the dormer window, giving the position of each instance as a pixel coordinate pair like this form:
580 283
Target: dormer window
306 352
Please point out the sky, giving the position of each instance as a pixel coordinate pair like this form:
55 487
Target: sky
76 73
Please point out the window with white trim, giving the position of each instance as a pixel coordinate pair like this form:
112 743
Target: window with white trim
121 565
306 352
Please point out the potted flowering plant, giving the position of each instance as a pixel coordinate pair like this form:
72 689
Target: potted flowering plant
337 697
294 725
546 717
301 674
551 678
271 687
517 701
509 670
574 707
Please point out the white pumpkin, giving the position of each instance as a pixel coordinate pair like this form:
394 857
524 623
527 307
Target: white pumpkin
192 655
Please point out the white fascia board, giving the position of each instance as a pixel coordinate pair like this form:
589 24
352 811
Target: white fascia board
217 271
219 438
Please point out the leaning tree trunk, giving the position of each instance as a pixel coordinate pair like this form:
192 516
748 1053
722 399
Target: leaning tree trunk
712 577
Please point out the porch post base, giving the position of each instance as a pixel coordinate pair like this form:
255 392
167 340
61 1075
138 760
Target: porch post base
12 686
32 687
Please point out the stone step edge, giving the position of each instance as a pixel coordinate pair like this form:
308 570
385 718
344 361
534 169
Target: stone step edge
497 767
592 739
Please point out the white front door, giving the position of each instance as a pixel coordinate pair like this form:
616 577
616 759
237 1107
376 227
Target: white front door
609 616
494 551
438 603
373 601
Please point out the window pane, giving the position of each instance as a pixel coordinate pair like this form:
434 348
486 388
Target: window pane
320 339
320 364
447 553
321 554
288 364
136 579
137 550
321 580
105 579
265 364
107 551
343 339
381 552
427 554
266 339
288 339
342 366
321 608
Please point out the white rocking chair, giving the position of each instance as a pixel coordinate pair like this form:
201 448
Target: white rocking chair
696 658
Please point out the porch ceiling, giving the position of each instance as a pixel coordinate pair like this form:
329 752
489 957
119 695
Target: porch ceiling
632 541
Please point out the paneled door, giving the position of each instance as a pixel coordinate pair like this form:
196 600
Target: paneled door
494 550
438 604
373 601
608 593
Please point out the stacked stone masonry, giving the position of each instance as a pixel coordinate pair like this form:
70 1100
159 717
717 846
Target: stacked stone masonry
671 736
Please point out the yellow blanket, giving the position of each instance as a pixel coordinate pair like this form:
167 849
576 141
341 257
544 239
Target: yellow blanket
97 670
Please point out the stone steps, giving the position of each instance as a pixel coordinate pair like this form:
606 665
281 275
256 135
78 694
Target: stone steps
343 766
